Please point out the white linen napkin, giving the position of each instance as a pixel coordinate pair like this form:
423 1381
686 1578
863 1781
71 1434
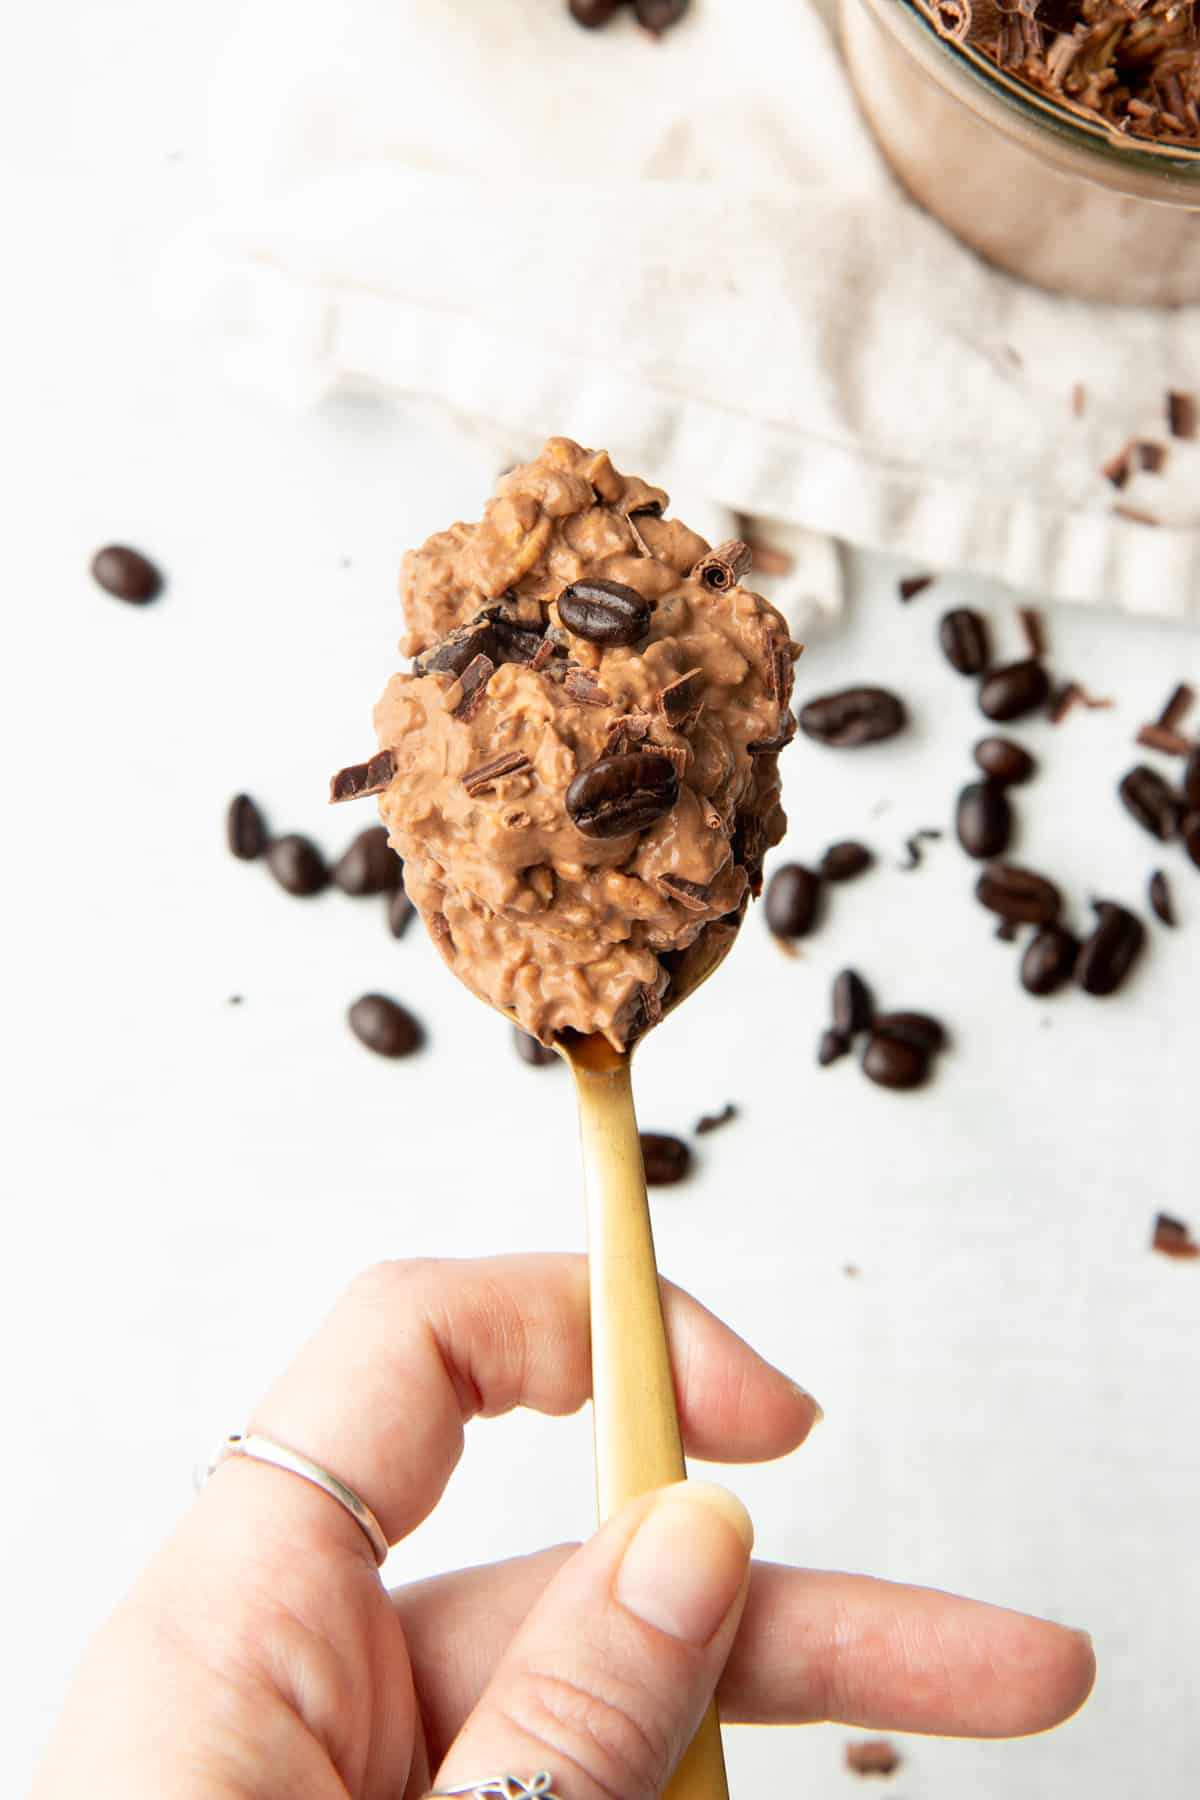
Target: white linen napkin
689 250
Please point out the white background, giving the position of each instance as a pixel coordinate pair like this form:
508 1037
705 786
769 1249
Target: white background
1010 1382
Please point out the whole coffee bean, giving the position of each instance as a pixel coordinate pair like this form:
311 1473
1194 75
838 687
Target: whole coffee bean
1152 803
400 911
620 794
369 866
1191 781
659 15
531 1051
297 865
919 1029
842 862
592 13
604 612
1004 761
384 1026
1189 831
1018 895
1013 691
853 1007
244 829
1049 959
126 574
830 1046
862 715
963 635
666 1159
1108 955
893 1063
983 819
1161 903
792 900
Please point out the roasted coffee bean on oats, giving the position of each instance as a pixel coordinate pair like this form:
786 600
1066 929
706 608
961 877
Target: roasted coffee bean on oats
622 794
604 612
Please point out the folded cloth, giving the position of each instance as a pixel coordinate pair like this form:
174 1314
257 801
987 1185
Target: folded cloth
687 249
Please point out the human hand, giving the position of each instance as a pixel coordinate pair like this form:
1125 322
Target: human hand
261 1656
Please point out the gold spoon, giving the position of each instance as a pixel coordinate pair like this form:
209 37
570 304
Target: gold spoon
636 1424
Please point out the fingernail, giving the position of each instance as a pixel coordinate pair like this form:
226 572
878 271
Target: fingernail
818 1409
684 1566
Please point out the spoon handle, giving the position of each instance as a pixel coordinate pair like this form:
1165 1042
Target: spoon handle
638 1444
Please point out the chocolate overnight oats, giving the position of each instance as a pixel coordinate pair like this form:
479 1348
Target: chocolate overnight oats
581 771
1059 138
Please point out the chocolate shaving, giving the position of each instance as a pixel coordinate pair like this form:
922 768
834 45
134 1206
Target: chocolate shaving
1172 1237
642 546
543 654
692 894
781 740
714 1121
710 816
582 685
514 643
872 1756
466 696
912 585
361 779
1070 695
1178 705
927 834
778 671
1136 516
1181 415
1079 400
1116 469
1171 743
651 1006
724 566
627 732
679 702
513 762
676 755
1035 634
1152 457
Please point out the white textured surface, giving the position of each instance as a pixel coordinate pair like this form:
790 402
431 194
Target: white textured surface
1010 1383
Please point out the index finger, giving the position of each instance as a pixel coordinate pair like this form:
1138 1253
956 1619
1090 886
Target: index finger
414 1350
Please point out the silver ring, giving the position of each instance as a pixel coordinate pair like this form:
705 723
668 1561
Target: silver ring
266 1450
502 1787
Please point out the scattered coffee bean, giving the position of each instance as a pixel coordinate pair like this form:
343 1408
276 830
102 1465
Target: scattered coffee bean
1049 960
1152 803
658 16
831 1045
400 911
384 1026
862 715
369 866
1018 895
1191 781
843 861
244 829
592 13
604 612
297 865
666 1159
714 1121
1013 691
792 902
1172 1238
983 819
621 794
1108 955
1004 761
1189 831
126 574
916 1028
963 635
531 1051
1161 903
893 1063
872 1756
853 1007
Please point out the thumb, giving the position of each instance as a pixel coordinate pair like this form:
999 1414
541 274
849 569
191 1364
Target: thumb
609 1676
